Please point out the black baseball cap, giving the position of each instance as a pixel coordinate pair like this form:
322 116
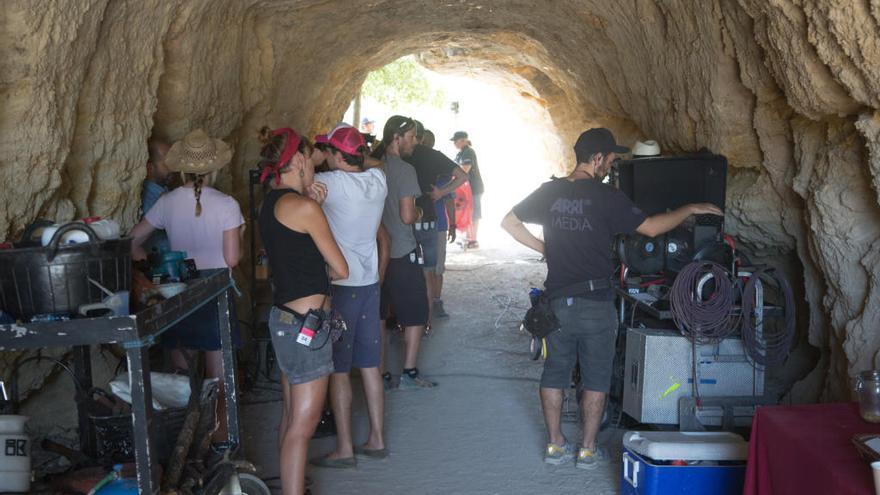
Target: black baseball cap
459 135
596 140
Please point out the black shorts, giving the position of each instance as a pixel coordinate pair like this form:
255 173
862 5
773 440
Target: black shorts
405 292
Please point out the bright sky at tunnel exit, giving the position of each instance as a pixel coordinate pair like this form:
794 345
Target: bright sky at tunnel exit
516 142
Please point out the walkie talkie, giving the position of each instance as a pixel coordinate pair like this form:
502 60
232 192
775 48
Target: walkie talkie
309 328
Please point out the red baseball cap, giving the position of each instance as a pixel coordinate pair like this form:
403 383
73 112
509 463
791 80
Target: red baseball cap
321 139
348 140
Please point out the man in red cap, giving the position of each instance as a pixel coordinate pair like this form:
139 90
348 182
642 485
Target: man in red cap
580 215
353 206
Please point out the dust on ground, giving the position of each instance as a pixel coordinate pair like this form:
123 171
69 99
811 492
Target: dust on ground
481 430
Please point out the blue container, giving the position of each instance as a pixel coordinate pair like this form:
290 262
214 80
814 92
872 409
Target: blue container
171 265
644 476
122 486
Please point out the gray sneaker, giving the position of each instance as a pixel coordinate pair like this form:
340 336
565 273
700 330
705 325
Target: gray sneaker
408 382
588 459
556 455
439 312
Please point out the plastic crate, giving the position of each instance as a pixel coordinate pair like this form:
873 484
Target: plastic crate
114 441
113 433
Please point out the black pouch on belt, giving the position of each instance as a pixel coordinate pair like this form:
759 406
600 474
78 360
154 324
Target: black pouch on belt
540 320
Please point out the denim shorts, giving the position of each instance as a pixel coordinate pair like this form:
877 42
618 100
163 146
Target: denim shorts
587 334
360 345
300 364
427 238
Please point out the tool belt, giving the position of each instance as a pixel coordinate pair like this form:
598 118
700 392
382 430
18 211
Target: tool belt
328 327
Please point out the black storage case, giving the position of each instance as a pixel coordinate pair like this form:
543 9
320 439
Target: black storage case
665 183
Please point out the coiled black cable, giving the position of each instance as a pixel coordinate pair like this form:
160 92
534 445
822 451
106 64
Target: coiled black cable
773 346
705 319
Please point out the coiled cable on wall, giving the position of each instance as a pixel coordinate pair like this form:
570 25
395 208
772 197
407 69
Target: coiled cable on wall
773 346
703 318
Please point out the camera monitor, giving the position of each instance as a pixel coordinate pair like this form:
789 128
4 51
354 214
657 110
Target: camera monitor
664 183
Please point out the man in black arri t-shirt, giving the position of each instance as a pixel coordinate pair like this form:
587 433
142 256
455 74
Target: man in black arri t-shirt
580 215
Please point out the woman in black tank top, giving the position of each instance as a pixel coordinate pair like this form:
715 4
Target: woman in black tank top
304 257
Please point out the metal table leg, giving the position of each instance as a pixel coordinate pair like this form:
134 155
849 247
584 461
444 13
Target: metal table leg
142 418
82 368
228 369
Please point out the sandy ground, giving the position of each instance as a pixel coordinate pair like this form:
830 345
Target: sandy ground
479 432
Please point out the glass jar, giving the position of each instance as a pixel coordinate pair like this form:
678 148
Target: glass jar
868 388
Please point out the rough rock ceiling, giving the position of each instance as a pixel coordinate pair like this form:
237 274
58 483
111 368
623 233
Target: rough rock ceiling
787 89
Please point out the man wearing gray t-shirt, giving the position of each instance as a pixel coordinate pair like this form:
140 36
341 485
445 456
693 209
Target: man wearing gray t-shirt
404 289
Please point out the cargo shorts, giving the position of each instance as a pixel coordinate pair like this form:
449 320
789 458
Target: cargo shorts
587 334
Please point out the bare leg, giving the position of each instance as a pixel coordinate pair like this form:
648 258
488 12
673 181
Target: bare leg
592 408
476 227
304 413
551 403
413 337
374 390
429 289
285 419
438 285
340 400
178 360
214 369
382 345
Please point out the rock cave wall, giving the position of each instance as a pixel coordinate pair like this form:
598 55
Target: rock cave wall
786 89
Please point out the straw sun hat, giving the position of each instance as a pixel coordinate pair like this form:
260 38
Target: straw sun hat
197 153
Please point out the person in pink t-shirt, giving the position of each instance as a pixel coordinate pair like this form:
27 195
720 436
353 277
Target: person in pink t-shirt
208 225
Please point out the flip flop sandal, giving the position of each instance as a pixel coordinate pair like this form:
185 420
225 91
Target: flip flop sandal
326 462
371 453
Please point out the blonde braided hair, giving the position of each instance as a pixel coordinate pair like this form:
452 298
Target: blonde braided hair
198 181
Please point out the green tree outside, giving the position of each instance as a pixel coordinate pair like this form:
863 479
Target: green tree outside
401 83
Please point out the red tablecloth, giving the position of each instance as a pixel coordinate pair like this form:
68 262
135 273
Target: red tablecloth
808 449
